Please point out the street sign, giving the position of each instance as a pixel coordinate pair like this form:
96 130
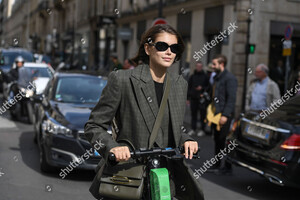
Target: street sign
287 48
288 32
159 21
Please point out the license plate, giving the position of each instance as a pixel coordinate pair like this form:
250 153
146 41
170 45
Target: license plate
257 132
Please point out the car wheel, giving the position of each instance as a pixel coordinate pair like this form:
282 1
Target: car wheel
35 138
45 167
35 133
30 114
15 112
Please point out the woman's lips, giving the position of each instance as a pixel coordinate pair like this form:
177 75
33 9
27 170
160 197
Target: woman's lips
167 59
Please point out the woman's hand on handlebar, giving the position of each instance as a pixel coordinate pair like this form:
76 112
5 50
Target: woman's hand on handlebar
190 148
121 153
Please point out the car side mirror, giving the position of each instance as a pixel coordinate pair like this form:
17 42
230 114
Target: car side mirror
242 115
38 98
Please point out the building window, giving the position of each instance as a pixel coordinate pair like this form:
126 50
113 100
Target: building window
141 27
184 27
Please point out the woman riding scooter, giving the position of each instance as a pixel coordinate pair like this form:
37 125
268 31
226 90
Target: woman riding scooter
133 97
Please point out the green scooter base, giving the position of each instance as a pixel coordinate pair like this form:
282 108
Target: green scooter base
160 185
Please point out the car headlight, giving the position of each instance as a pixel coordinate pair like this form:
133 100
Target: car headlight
56 128
28 93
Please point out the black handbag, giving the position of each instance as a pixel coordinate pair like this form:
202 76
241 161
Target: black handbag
126 179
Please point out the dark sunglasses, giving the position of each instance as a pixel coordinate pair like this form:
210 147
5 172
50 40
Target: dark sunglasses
162 46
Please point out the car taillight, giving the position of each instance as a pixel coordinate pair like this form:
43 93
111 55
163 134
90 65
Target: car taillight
292 143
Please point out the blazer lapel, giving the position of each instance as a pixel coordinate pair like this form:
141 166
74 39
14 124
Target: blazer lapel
145 93
150 94
173 109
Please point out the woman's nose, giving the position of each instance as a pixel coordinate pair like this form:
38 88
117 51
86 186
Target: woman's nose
168 51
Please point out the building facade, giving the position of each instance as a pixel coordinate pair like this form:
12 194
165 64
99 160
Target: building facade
202 25
72 31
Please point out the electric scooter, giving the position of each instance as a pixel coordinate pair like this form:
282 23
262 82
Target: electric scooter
157 184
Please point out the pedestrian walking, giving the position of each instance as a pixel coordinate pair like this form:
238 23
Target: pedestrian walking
223 103
198 85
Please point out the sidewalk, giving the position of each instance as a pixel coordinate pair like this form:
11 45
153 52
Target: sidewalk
188 118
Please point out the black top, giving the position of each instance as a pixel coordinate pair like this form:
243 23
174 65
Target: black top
159 89
197 79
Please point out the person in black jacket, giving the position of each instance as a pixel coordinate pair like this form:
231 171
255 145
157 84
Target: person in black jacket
223 100
13 74
198 84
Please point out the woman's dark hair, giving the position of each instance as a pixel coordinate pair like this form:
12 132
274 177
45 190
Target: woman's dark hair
150 36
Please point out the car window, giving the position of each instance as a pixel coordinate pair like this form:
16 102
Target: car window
79 89
46 59
28 74
38 72
289 111
291 106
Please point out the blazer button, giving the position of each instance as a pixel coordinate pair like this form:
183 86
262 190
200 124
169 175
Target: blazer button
149 99
183 129
216 100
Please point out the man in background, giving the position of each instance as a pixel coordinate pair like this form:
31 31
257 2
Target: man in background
197 85
223 101
262 91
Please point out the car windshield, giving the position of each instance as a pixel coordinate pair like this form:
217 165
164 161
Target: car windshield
38 72
79 89
9 57
28 74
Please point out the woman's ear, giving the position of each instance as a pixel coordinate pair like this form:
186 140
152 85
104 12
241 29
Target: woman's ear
146 47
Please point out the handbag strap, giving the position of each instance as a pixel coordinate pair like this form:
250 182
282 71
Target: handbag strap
159 117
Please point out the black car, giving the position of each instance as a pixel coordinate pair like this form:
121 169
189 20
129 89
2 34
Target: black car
8 56
60 116
269 143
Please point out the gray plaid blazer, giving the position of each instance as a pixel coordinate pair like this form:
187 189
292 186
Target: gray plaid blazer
130 97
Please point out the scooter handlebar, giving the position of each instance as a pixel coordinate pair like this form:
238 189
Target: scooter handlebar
156 151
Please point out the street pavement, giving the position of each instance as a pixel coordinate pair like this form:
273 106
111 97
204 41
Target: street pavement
21 178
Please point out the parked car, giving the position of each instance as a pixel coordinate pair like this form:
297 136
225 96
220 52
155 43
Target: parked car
60 116
269 143
33 78
7 58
